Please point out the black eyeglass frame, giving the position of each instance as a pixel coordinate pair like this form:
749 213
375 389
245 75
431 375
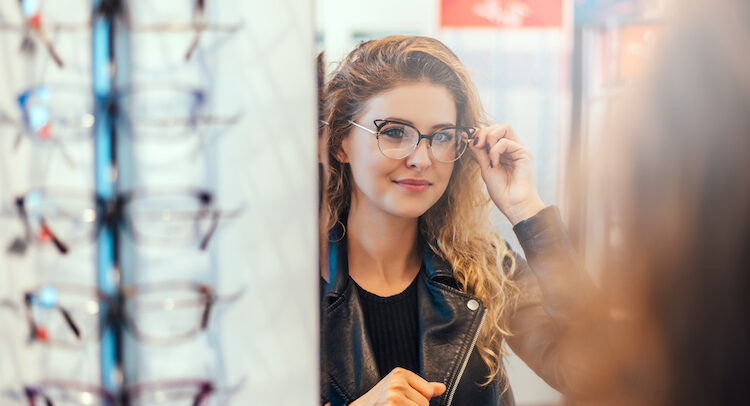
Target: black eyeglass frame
380 123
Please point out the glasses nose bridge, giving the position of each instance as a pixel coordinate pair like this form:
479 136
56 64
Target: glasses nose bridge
420 137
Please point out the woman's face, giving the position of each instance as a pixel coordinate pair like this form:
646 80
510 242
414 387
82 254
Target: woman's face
401 187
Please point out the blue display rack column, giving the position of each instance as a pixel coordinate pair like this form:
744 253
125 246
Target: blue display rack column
107 169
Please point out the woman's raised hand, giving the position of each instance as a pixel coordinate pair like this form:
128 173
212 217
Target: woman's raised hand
401 387
508 171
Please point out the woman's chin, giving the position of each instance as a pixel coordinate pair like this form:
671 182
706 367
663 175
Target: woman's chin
410 212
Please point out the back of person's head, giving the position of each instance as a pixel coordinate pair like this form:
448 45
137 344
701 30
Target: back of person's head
681 202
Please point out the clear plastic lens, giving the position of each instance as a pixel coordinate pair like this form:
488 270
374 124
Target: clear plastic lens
69 219
397 141
169 219
66 318
58 114
166 315
177 395
165 114
69 396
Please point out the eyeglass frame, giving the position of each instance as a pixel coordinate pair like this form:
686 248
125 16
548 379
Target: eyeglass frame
380 123
193 119
115 309
113 7
113 213
204 389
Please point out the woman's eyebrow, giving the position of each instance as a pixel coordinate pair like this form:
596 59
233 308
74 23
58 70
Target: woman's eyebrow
405 121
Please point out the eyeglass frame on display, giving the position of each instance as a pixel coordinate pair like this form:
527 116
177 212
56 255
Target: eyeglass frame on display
113 213
380 123
205 390
32 24
194 121
116 311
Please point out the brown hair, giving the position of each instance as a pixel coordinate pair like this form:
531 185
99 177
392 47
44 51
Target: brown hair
457 227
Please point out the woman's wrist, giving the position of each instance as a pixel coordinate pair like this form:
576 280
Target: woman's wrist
524 210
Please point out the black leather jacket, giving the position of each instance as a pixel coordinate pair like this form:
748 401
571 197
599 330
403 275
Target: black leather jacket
449 322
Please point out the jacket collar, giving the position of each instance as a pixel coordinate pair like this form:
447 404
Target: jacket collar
437 269
447 326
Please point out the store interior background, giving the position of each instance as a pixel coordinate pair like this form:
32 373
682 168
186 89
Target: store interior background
551 82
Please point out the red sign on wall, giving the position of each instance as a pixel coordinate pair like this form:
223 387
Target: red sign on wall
501 13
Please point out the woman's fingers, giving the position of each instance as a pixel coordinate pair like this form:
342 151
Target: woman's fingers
415 381
485 145
482 155
505 152
401 387
489 136
418 398
438 388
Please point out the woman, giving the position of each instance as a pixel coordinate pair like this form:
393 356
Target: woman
420 292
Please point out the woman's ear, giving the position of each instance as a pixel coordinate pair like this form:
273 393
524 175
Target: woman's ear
340 153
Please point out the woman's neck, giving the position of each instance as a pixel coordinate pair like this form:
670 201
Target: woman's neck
382 249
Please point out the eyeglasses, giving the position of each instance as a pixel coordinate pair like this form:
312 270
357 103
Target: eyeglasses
397 139
157 313
53 115
168 113
198 25
187 392
164 218
33 28
63 115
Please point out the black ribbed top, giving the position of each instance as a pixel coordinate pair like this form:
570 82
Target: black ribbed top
393 328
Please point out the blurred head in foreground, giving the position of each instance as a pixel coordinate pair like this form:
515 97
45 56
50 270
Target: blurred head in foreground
679 177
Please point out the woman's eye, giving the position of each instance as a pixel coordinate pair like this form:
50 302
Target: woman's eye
393 132
443 137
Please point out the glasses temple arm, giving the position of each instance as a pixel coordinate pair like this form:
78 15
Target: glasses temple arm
363 127
61 246
211 230
24 218
73 326
199 24
206 313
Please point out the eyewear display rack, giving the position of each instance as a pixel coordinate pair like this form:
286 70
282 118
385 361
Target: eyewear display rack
133 133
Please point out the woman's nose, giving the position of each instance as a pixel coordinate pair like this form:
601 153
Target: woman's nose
420 157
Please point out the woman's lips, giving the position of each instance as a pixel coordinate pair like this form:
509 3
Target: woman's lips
413 185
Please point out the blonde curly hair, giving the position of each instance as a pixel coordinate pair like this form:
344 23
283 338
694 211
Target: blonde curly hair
457 227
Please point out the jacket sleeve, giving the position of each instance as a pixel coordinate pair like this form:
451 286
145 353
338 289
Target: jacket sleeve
556 298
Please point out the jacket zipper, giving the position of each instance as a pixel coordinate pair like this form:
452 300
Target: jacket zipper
466 359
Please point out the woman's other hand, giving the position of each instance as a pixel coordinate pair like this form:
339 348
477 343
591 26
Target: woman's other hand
508 171
401 387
